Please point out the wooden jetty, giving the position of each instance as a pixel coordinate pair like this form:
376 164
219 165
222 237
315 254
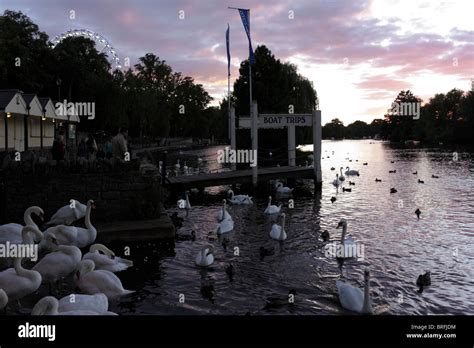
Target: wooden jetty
240 176
254 174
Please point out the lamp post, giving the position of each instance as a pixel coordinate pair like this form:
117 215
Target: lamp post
7 116
43 118
25 127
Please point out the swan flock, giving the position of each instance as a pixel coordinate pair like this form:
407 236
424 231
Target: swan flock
59 248
70 251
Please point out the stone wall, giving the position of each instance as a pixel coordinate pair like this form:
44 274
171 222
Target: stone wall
120 193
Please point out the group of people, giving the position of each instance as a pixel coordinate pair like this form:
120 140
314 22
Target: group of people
113 147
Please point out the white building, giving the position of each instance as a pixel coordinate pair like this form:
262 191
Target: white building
28 122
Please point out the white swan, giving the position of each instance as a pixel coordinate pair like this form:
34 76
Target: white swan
353 298
97 302
344 240
71 235
99 281
3 299
12 232
278 232
341 177
18 282
248 200
205 258
31 234
239 199
351 172
223 214
224 226
184 203
68 214
58 264
106 261
283 189
272 209
336 182
28 235
50 305
347 247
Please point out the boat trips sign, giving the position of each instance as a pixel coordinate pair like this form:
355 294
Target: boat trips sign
278 121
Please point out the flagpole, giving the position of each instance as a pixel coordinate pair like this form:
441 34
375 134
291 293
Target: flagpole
229 129
253 115
250 86
228 104
250 66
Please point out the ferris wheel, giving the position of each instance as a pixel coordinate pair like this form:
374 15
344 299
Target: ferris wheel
102 44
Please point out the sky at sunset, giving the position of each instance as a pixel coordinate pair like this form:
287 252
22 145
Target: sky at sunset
358 54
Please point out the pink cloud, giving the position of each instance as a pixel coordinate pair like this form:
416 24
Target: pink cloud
382 82
323 32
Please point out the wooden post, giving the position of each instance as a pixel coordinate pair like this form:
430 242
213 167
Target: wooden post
41 133
254 118
291 146
25 128
317 146
6 132
232 134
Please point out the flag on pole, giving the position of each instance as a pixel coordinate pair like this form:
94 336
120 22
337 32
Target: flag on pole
245 16
228 49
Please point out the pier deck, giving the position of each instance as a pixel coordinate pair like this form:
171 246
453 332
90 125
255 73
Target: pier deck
240 176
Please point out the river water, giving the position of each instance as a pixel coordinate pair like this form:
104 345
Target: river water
397 247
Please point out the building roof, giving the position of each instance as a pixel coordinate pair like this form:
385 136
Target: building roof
44 101
33 104
6 95
48 107
43 106
28 97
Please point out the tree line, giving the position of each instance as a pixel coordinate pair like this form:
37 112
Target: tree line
444 118
154 101
150 99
